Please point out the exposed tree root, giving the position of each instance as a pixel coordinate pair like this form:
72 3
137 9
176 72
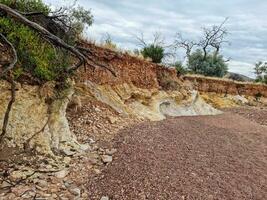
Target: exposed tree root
84 56
13 86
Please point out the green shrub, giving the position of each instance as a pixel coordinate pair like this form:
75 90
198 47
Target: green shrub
27 5
180 68
210 66
155 52
261 72
35 56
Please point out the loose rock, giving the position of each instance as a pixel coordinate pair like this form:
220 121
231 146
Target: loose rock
106 158
62 174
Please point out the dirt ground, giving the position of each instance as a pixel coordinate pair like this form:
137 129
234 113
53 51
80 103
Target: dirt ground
204 157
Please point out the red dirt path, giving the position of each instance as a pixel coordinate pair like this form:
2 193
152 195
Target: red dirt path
205 157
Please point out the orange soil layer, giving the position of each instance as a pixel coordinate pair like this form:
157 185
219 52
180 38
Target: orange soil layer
204 84
129 69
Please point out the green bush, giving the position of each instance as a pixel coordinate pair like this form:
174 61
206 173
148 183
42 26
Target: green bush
27 5
210 66
35 56
155 52
261 72
180 68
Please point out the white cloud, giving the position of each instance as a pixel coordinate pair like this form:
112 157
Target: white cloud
124 18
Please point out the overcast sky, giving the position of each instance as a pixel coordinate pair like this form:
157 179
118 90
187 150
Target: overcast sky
124 18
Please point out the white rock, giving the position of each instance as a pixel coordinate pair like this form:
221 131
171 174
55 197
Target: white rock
112 119
97 109
62 174
104 198
67 160
68 152
85 147
111 151
75 191
5 184
42 183
106 158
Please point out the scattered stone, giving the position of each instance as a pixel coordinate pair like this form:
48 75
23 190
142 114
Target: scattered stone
75 191
28 195
104 198
97 171
68 152
42 183
20 174
97 109
40 188
93 161
62 174
85 147
112 119
111 151
19 190
67 160
67 184
106 158
5 185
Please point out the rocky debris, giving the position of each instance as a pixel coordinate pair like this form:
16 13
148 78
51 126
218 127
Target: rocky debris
110 152
64 178
106 159
75 191
61 174
104 198
201 157
112 119
96 122
258 115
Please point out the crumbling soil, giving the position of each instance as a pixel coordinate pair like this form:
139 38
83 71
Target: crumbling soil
204 157
128 69
226 86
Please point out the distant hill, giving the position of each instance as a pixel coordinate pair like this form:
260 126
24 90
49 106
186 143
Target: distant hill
238 77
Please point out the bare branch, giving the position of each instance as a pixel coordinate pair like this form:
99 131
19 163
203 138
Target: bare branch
188 45
213 37
140 39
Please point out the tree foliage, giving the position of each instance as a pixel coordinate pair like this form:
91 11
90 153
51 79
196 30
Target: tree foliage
210 65
203 56
261 72
37 56
180 68
27 6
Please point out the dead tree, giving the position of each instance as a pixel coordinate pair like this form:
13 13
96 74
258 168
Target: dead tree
185 44
213 37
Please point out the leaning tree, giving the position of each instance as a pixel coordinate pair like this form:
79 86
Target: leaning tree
60 28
